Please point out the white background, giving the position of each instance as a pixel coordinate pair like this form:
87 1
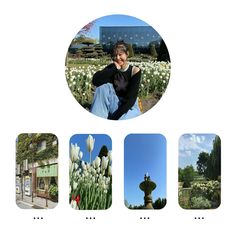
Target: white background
200 98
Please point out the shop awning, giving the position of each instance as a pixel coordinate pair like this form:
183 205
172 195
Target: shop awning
47 171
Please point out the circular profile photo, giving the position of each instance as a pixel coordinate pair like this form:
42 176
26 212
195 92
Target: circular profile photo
117 67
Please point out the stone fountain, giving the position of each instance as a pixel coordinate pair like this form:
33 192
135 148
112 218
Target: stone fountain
147 186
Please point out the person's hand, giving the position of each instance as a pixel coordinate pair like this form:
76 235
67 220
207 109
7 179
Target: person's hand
117 65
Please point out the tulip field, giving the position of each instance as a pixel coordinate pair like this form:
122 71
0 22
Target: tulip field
154 81
91 181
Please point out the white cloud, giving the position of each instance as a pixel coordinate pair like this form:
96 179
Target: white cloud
192 142
190 145
187 142
197 138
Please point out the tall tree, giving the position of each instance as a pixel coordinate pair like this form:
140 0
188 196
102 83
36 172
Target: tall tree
131 50
153 51
202 162
210 164
216 157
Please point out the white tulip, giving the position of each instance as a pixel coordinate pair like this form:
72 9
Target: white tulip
70 166
81 154
75 184
98 170
74 152
110 155
97 162
85 173
90 143
108 179
93 179
110 171
83 165
75 166
77 174
74 204
104 163
93 171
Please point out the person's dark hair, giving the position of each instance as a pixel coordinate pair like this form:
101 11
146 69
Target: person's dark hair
120 45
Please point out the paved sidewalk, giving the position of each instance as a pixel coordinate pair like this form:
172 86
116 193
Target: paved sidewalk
38 202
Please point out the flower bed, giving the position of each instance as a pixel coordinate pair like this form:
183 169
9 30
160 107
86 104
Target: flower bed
154 81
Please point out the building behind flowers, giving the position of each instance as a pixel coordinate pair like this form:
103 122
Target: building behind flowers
140 36
37 166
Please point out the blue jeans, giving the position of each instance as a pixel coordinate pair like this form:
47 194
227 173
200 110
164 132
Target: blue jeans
106 102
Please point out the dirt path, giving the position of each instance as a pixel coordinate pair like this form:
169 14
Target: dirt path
148 103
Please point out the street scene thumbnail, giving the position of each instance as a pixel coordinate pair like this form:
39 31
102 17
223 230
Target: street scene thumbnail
36 171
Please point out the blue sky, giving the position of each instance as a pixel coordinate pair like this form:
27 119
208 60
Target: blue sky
100 140
114 20
144 153
190 145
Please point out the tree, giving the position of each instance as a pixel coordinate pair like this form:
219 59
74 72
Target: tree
88 51
99 50
127 203
153 51
180 174
163 54
131 51
87 28
88 41
103 151
209 165
188 176
202 163
216 157
159 203
77 40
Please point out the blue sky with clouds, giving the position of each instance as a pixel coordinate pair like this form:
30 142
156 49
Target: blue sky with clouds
144 153
190 145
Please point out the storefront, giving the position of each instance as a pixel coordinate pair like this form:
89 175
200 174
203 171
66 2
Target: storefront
18 185
27 186
46 176
24 184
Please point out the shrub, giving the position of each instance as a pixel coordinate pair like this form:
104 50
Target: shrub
200 203
207 190
53 191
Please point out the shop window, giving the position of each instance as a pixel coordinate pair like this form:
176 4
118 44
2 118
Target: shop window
53 181
41 184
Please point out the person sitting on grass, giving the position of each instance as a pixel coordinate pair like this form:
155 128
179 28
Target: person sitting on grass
117 86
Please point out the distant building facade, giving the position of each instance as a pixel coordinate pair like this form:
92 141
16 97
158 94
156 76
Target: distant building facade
140 36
